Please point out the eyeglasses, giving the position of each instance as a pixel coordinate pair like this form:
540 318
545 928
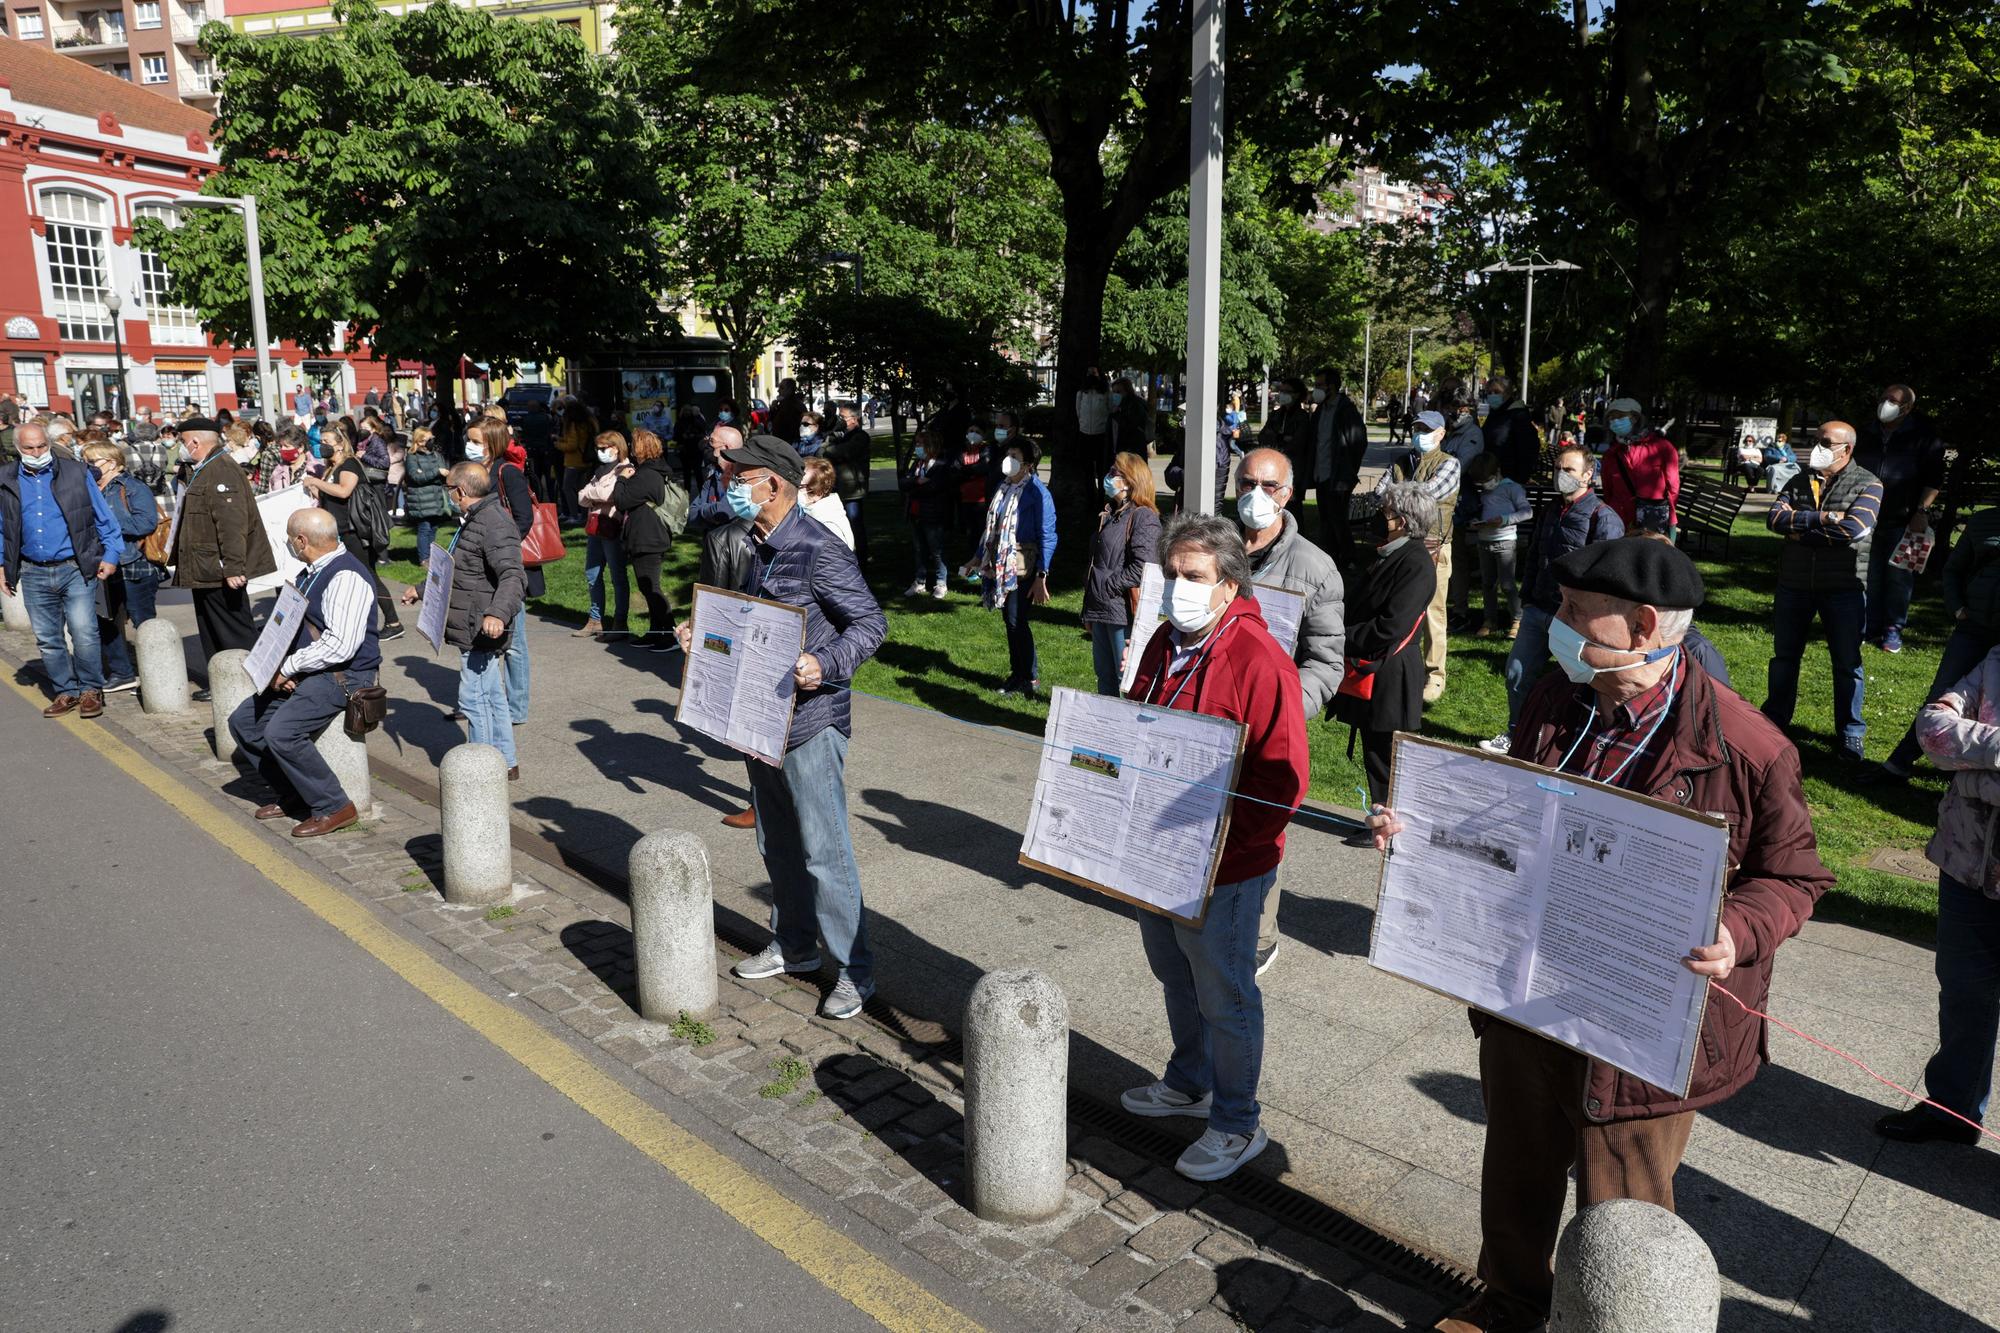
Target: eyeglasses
1268 487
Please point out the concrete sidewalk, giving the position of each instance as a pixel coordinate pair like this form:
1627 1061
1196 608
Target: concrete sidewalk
1370 1083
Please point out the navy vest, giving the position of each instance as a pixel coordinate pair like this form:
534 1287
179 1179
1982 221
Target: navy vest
70 485
368 656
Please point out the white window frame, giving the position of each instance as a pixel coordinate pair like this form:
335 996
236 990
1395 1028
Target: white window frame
31 380
146 13
146 64
76 251
24 19
172 325
114 24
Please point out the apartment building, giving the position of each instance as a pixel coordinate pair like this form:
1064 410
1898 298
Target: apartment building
153 44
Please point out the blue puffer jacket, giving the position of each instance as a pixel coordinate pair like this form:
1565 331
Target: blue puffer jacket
803 564
1559 529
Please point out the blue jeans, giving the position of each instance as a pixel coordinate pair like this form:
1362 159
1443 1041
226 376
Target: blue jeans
1889 587
1107 648
808 852
602 554
1214 1009
1964 650
1840 613
482 697
63 597
131 590
1527 659
1960 1075
427 533
278 731
517 668
857 519
929 539
1022 665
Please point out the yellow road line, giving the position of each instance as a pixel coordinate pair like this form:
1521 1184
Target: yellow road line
844 1267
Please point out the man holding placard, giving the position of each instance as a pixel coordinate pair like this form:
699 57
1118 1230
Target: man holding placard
801 804
1217 658
1638 713
1280 555
332 650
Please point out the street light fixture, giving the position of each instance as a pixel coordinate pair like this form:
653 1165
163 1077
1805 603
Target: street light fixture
1409 366
112 303
247 205
1528 325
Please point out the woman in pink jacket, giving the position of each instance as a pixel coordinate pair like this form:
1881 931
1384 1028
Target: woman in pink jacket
1961 734
1640 477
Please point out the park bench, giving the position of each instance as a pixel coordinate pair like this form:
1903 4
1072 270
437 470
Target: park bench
1708 511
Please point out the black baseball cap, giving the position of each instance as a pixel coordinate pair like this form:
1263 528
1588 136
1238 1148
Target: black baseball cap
768 451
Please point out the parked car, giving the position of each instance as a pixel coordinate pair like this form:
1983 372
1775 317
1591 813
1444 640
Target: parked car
520 397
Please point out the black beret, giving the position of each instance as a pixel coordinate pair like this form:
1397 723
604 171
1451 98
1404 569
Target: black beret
768 451
1638 569
200 423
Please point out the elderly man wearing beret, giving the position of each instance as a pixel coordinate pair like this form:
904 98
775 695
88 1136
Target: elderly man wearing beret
1634 710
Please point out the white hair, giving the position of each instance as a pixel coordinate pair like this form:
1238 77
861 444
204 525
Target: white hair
1675 622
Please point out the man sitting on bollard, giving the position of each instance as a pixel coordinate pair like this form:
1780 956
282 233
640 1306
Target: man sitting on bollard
801 808
60 541
333 652
1633 710
1219 659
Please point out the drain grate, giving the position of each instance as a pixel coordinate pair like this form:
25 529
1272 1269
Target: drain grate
1284 1204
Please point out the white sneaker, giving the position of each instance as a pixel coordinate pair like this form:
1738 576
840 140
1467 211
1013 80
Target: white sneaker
1501 744
917 589
1216 1154
771 961
940 592
1157 1099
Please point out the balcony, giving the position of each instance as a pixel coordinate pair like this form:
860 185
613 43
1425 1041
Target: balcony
188 25
85 39
198 85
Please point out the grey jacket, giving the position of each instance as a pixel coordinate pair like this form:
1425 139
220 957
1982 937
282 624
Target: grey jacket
1321 653
486 576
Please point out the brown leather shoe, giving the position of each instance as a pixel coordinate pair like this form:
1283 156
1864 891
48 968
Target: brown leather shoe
514 773
320 825
590 630
273 811
92 705
65 703
1487 1315
741 819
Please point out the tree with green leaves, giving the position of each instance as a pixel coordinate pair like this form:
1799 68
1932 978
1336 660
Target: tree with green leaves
446 183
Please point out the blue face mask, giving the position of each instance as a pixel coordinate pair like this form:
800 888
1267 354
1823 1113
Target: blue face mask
919 453
1000 434
1117 399
740 503
1492 401
1622 426
1566 644
725 417
1111 487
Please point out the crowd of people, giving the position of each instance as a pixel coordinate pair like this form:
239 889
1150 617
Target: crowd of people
1591 582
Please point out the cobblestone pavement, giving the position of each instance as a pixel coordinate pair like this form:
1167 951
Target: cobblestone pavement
852 1110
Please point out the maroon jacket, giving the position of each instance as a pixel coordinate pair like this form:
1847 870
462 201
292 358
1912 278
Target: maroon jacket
1721 756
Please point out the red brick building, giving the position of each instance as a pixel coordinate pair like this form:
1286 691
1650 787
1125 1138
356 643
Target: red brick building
83 155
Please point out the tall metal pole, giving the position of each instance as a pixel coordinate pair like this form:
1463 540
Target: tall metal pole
1528 336
1367 352
1204 256
267 392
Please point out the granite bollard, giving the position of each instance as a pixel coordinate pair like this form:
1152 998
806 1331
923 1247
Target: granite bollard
1016 1096
673 926
163 668
1626 1266
228 686
348 758
472 801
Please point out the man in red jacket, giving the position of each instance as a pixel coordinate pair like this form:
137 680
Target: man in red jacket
1218 658
1631 709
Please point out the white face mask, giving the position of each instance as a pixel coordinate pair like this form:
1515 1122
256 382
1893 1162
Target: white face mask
476 453
1188 604
1010 467
607 455
1887 411
1426 443
1256 509
1820 459
36 462
1319 395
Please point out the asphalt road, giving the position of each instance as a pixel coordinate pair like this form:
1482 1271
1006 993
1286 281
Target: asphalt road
217 1113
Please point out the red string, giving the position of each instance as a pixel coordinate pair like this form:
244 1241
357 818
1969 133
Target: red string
1807 1036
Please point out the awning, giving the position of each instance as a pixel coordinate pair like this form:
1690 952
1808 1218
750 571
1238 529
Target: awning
172 363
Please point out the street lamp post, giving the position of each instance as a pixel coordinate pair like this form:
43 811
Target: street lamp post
1409 367
112 303
1205 170
1367 358
1528 324
247 205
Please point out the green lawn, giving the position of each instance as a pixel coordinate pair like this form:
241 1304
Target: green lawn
951 656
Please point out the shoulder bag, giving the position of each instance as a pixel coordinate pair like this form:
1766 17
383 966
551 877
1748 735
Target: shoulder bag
1358 680
154 545
367 705
1652 515
543 545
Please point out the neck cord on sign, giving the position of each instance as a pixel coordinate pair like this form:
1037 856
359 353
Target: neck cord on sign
1201 655
1673 686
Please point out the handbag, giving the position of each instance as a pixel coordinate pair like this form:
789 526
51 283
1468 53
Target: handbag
1358 680
367 705
154 545
543 544
1652 515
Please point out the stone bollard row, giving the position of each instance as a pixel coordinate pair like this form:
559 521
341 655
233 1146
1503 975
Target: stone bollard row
1016 1096
673 927
163 670
472 805
1626 1266
228 686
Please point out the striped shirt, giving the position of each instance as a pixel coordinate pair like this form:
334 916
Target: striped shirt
349 602
1815 527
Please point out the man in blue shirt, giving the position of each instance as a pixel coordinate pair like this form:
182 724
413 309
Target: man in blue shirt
58 539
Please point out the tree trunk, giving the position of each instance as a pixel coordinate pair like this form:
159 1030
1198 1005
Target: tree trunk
451 439
1079 345
1660 238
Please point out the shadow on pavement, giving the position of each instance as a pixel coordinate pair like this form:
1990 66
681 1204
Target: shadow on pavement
1331 925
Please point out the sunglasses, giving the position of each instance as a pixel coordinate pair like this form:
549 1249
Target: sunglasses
1268 487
